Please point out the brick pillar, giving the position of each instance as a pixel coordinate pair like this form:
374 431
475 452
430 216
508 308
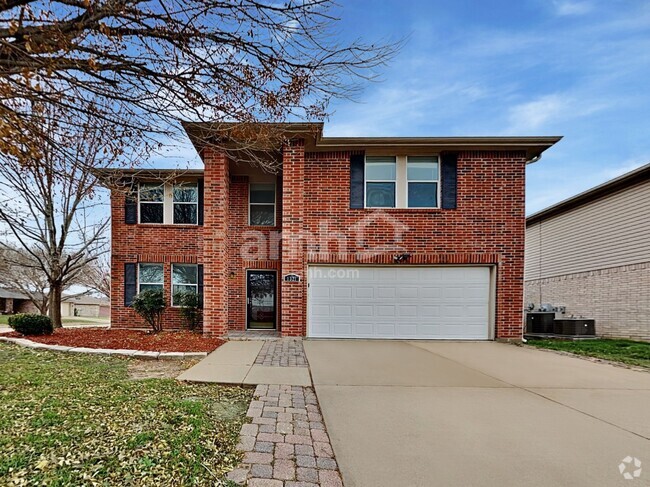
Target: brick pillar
215 243
293 245
510 277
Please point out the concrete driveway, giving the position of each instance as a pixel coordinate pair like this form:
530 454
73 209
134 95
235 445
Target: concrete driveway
478 414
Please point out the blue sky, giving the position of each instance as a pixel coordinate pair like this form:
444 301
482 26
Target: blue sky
577 68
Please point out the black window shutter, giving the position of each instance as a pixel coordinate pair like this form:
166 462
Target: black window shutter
356 180
131 205
200 189
200 281
449 171
130 283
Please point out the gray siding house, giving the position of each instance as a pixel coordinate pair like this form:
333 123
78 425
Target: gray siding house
591 254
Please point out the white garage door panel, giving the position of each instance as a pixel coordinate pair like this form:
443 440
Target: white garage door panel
399 302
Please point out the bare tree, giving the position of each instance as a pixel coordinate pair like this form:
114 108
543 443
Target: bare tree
22 272
49 203
146 64
97 276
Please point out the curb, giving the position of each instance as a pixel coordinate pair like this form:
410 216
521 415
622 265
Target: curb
141 354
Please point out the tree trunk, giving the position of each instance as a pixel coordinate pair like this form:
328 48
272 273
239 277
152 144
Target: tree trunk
56 291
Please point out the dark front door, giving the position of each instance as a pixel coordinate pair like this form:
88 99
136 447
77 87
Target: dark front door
260 298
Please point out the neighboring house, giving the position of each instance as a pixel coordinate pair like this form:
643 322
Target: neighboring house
591 254
12 302
85 306
380 237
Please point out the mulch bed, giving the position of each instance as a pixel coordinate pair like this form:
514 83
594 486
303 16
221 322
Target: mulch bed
165 341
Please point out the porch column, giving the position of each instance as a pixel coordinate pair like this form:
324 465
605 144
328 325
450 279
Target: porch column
293 300
215 246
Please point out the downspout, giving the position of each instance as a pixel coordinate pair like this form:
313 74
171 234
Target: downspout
534 159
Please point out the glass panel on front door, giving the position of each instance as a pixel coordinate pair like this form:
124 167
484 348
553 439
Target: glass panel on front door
261 300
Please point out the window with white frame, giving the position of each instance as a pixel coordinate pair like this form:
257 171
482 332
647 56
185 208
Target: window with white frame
261 204
186 203
152 202
150 276
380 174
423 181
185 280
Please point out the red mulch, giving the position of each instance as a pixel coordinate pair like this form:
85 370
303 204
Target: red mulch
165 341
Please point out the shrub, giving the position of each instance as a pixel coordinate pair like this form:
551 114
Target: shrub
191 309
150 304
31 324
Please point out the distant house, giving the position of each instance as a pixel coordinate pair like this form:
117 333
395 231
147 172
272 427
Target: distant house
591 254
12 302
85 306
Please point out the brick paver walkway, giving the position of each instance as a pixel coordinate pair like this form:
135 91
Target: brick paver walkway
286 352
286 444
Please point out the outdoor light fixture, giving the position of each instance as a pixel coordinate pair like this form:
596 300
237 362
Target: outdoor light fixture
398 258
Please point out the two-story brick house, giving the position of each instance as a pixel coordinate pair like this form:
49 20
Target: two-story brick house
366 237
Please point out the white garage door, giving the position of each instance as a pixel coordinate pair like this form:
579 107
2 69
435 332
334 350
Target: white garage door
399 302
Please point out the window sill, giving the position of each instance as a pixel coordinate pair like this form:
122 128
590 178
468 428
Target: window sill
404 210
169 225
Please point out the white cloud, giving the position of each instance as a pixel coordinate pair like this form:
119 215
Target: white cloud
549 111
567 7
397 108
534 114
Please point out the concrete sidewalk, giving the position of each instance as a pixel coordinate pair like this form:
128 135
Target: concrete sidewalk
234 363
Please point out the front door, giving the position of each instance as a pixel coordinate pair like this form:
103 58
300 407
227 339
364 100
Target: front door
260 299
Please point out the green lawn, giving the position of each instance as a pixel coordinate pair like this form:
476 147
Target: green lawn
625 351
68 419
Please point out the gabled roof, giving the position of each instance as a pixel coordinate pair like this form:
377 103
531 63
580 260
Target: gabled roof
621 182
85 300
11 294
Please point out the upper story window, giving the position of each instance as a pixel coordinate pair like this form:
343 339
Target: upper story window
185 280
150 276
381 175
423 178
261 204
402 181
186 203
164 203
152 203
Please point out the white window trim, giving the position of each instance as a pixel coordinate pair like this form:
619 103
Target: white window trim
437 181
168 204
275 202
401 183
366 181
140 203
174 305
150 283
195 203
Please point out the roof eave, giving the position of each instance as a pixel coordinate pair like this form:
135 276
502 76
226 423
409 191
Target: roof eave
204 133
534 146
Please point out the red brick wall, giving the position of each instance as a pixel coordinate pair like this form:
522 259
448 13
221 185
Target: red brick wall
294 214
215 243
166 244
486 228
252 239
